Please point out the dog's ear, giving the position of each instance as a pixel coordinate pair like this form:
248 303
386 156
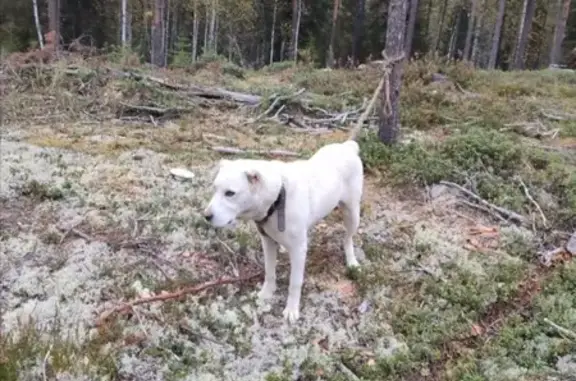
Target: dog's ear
253 176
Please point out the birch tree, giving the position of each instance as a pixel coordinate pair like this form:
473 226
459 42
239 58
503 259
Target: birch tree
37 24
272 36
124 23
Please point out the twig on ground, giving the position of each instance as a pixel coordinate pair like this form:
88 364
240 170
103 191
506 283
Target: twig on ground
482 208
513 216
76 232
238 151
45 362
529 197
562 330
126 307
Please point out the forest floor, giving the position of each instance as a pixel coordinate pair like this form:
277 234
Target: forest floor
450 289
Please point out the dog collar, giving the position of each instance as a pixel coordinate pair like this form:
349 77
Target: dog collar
280 206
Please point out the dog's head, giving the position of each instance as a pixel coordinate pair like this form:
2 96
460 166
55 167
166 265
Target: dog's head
240 192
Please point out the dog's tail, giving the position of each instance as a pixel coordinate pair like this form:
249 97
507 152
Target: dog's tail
353 145
356 130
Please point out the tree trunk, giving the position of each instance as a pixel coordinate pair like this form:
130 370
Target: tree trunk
357 33
441 25
37 24
212 33
157 53
54 21
469 30
559 31
195 25
477 32
523 33
124 22
272 36
411 25
497 33
453 37
395 33
330 57
206 27
296 15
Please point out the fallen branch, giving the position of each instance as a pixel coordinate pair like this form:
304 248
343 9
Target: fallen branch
562 330
513 216
238 151
558 118
124 308
546 258
156 111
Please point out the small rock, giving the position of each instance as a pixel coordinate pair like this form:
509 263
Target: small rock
181 173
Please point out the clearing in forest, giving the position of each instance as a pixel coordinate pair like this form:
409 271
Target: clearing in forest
464 223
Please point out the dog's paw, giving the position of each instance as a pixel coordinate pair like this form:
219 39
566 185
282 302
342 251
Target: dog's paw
267 291
291 315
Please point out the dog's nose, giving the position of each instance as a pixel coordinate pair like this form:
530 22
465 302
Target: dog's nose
208 216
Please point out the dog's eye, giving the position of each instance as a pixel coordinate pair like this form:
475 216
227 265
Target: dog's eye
229 194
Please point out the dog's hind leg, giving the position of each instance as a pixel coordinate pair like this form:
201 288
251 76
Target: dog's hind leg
351 214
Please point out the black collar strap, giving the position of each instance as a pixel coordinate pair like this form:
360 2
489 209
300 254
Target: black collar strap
280 206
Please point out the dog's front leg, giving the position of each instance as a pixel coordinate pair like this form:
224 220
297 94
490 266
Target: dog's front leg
297 265
270 249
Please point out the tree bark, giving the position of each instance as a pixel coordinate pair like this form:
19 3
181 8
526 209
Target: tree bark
523 33
195 25
358 29
389 98
411 25
330 58
296 14
54 21
272 33
157 53
469 30
212 33
497 34
559 31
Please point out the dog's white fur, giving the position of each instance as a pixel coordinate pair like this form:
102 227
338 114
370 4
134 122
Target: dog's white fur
332 177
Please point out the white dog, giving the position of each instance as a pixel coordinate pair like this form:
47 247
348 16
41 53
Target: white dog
286 199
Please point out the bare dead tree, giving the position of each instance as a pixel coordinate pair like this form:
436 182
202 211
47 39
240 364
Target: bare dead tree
527 16
394 54
157 51
330 57
412 16
497 34
563 10
37 24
